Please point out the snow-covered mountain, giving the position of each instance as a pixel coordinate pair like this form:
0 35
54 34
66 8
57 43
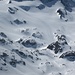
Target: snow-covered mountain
37 37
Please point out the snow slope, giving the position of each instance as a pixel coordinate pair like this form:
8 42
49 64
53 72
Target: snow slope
22 21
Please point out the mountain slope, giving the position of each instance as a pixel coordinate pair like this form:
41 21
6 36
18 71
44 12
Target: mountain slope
33 37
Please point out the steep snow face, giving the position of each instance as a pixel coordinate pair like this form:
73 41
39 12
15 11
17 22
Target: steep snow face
33 37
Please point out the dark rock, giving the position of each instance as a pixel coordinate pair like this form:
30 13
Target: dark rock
2 41
3 35
23 0
30 43
21 62
68 8
62 14
13 62
26 32
20 40
4 64
68 4
49 3
24 63
37 35
40 53
18 22
56 47
62 39
10 41
1 68
10 1
30 56
24 21
4 55
12 10
21 54
41 6
70 55
26 8
19 0
59 45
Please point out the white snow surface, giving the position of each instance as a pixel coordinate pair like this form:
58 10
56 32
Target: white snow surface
45 21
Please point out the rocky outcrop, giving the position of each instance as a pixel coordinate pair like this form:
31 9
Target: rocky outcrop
70 55
18 22
41 6
68 4
30 43
26 8
49 3
20 53
12 10
59 45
